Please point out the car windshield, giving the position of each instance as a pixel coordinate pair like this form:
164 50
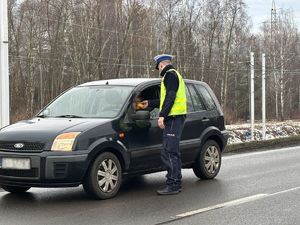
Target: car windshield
89 102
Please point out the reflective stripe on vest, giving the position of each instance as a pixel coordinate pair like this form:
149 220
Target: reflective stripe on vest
179 106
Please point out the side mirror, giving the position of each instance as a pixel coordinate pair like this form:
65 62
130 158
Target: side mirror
141 115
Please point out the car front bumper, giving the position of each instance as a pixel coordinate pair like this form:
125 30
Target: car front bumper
48 169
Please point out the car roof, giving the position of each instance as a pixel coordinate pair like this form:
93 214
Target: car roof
129 82
122 81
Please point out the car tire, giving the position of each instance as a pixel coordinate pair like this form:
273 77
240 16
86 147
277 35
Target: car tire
208 163
104 177
15 189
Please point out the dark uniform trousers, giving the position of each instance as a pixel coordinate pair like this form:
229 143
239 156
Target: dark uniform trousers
170 153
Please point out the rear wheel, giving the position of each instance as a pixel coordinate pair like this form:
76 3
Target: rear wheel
207 165
15 189
104 177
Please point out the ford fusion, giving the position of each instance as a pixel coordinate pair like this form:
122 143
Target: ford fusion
93 135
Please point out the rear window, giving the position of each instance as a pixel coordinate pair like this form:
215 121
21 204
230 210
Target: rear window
210 104
196 100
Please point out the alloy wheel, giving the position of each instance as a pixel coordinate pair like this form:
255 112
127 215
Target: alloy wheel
107 175
212 159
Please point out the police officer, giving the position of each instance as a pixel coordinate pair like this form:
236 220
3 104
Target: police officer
173 108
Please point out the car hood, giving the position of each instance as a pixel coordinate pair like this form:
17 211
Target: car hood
45 130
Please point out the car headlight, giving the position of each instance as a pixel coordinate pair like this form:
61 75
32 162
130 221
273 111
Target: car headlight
64 142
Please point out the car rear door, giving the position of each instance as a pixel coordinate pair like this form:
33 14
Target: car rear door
211 114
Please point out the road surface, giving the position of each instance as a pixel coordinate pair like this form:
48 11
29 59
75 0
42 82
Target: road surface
251 188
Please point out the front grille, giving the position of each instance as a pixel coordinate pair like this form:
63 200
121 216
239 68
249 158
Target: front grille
19 173
28 147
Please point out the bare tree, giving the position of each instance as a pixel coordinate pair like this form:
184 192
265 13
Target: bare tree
55 44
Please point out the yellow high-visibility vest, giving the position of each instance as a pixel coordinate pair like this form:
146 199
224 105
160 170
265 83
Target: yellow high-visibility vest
179 106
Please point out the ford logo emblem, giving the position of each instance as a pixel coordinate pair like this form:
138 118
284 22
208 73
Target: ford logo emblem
19 145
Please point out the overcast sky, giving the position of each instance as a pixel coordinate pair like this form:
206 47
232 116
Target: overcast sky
260 10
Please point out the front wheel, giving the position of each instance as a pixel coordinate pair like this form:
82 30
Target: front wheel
15 189
208 163
104 177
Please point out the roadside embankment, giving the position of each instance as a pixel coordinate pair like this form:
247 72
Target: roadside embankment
278 134
263 145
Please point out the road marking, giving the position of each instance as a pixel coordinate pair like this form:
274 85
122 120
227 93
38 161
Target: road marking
285 191
241 155
222 205
225 204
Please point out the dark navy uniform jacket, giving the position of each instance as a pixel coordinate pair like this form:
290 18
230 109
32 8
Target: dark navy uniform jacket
171 83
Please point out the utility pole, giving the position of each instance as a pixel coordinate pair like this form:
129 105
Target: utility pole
273 38
252 94
281 72
4 77
263 86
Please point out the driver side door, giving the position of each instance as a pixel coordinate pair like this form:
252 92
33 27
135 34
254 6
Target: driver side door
145 137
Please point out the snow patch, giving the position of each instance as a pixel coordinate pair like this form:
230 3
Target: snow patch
241 133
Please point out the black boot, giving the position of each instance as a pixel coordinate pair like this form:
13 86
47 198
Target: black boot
169 190
162 187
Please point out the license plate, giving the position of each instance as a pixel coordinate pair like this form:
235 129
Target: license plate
16 163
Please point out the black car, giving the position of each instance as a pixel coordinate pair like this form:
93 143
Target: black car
93 135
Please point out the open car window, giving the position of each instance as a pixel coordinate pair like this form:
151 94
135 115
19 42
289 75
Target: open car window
150 93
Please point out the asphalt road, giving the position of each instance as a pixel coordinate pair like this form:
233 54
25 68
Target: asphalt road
252 188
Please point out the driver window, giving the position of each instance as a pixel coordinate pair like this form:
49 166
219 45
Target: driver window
149 93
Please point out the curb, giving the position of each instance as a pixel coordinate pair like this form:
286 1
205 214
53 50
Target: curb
263 145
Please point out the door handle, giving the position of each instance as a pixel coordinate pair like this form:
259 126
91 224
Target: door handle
205 119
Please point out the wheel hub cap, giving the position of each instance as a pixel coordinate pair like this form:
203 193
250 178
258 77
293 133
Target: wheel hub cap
107 175
212 159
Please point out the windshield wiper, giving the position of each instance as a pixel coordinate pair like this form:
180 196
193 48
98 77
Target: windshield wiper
69 116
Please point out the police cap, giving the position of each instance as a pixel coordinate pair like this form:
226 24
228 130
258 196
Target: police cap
162 57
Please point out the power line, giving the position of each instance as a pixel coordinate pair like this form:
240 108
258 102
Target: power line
195 58
74 61
295 71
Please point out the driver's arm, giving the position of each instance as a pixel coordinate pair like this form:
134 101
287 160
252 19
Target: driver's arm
149 104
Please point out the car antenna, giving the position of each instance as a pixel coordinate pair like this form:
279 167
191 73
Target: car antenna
106 82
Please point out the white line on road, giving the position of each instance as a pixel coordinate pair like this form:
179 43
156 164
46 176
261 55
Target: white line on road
285 191
241 155
225 204
233 203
